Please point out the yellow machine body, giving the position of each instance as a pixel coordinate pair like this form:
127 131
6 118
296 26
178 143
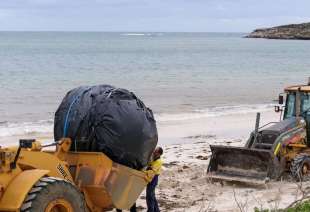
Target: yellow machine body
14 194
104 183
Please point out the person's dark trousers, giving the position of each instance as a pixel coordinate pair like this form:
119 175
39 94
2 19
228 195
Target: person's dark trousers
152 205
132 209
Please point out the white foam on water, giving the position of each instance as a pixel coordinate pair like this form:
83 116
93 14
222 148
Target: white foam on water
26 128
142 34
214 112
8 129
134 34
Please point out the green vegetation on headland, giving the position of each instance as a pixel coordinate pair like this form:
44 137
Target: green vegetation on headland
292 31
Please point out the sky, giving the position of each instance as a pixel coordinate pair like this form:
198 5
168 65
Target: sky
150 15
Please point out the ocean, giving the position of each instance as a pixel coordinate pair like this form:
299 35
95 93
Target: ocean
180 76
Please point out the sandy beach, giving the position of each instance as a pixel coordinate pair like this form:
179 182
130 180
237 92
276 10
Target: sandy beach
184 185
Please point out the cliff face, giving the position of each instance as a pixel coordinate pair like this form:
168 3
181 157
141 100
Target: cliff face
292 31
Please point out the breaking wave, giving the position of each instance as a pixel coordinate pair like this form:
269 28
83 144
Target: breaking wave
214 112
14 129
47 126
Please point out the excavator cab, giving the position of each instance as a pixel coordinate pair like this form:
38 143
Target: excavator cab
273 148
290 107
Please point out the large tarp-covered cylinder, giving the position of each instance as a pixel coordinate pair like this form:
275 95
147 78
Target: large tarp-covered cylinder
110 120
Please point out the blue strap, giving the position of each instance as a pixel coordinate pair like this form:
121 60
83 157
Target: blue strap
66 125
67 116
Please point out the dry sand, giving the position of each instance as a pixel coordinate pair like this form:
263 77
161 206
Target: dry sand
184 185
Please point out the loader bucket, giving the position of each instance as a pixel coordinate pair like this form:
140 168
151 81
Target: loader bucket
106 184
238 164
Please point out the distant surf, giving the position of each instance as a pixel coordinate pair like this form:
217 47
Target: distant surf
142 34
133 34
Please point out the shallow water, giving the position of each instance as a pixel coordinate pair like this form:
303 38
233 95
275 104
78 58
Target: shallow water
179 75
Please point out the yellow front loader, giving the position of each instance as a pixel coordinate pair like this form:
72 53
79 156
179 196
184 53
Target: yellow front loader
63 181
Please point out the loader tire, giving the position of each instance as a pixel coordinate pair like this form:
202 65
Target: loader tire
51 194
300 167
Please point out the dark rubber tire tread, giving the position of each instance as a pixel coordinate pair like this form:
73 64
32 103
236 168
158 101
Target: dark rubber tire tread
296 166
48 189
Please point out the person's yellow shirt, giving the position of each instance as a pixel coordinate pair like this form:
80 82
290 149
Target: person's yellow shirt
156 166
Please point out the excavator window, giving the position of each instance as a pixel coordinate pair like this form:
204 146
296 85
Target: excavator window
290 110
305 103
290 106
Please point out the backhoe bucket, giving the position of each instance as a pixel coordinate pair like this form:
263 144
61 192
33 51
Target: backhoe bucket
254 166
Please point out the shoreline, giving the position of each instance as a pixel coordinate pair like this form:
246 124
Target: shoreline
184 182
173 131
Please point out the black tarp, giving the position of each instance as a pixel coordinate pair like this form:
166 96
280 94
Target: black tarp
109 120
